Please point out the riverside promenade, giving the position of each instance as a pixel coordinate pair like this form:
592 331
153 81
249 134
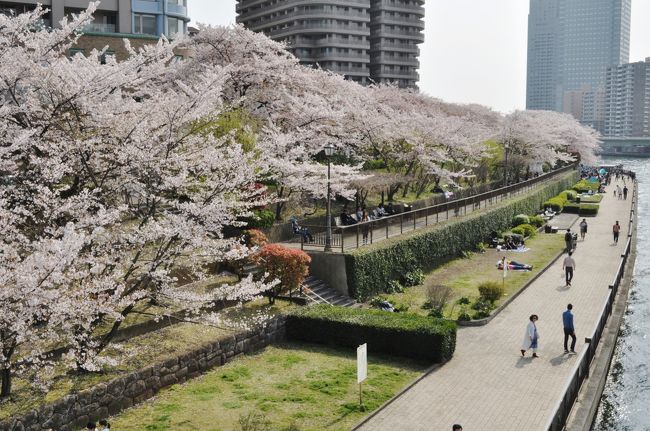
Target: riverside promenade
487 385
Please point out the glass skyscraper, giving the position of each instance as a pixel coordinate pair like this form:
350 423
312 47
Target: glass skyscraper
571 43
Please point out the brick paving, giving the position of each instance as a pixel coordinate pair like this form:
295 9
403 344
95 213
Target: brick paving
488 386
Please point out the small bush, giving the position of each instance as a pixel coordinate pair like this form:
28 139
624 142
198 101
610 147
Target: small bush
261 219
437 297
463 315
537 221
463 301
521 219
255 238
584 186
394 286
285 264
525 230
569 195
254 421
402 334
490 291
557 203
413 278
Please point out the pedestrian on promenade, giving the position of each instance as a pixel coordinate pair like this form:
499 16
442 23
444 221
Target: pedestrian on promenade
531 337
616 229
569 330
583 228
625 192
568 266
568 240
457 427
619 192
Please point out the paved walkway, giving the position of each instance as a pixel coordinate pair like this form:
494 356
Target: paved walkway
488 386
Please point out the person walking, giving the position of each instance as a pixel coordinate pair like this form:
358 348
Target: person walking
619 192
568 240
568 266
625 192
616 229
569 330
531 337
583 228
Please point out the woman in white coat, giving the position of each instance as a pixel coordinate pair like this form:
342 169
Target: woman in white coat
531 338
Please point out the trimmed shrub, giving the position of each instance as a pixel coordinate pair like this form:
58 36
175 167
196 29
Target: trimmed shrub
589 209
591 199
584 186
285 264
569 195
537 221
521 219
572 208
525 230
557 203
402 334
369 267
490 291
394 286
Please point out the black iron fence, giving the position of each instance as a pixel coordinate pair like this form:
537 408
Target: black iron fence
363 233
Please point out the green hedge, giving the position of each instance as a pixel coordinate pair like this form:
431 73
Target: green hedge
521 219
593 199
401 334
583 186
556 203
569 195
537 221
369 268
582 209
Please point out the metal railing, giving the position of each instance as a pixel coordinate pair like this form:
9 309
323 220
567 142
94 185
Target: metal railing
563 407
365 233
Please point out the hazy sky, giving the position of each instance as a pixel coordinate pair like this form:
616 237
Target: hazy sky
474 50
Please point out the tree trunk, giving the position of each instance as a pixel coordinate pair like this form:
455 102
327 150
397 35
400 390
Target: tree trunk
5 374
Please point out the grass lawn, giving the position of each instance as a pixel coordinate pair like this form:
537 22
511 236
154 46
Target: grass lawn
308 387
131 355
464 275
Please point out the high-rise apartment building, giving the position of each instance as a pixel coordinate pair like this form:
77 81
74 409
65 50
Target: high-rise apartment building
365 40
139 20
627 100
571 43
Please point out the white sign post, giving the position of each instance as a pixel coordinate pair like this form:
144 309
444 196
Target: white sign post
362 367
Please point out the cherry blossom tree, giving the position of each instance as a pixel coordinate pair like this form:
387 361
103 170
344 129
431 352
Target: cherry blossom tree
107 183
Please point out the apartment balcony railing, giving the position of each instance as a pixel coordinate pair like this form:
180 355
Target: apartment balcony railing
100 28
392 6
385 32
362 44
318 28
400 61
283 4
403 47
394 20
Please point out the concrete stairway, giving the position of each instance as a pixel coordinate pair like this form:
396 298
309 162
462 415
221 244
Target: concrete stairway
318 292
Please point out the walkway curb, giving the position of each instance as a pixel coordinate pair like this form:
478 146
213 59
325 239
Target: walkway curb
483 322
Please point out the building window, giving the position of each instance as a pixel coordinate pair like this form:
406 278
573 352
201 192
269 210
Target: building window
144 24
174 26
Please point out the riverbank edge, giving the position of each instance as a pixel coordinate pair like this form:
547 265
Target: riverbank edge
585 409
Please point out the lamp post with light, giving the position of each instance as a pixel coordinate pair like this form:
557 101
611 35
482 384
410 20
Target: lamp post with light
329 152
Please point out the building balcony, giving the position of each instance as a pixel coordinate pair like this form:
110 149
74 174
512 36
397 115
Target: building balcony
335 56
100 28
315 28
394 20
144 6
396 7
397 34
250 11
332 42
176 9
395 74
398 47
289 17
385 59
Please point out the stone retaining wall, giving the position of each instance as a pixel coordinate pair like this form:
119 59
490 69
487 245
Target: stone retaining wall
74 411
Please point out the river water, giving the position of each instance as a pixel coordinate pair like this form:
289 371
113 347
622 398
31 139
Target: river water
625 405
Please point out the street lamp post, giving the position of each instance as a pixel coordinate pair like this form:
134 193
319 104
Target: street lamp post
506 146
329 152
